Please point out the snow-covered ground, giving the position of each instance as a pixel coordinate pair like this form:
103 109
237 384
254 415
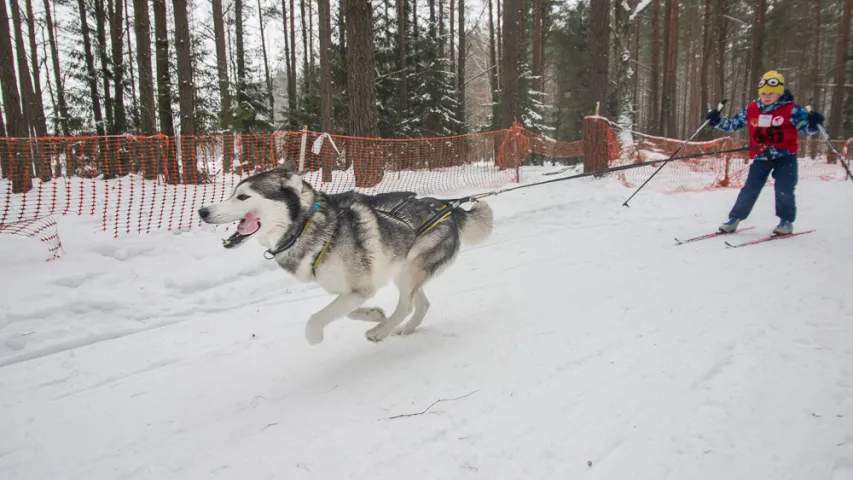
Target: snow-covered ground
583 343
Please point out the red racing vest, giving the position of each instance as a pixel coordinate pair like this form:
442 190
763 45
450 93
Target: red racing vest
773 129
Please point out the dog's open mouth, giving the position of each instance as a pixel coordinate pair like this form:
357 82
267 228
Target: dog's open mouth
246 228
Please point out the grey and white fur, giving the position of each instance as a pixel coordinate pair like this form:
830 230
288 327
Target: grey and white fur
359 243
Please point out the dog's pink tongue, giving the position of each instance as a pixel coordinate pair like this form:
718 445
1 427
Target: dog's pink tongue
249 224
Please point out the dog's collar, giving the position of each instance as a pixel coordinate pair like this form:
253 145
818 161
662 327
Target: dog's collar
270 254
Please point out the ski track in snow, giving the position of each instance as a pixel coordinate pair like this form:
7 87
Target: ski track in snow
596 349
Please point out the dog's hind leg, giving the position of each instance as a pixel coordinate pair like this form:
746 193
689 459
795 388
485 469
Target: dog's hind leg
407 282
368 314
340 307
421 304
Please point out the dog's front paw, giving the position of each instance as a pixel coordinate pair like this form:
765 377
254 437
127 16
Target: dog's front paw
313 333
376 334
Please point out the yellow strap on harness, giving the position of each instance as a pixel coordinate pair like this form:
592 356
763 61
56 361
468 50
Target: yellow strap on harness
320 257
440 219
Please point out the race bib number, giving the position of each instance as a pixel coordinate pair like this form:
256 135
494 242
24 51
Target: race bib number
765 121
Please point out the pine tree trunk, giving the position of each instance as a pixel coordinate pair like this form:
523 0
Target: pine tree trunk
90 68
185 91
100 21
413 47
441 28
537 47
512 15
292 86
134 95
500 37
402 33
240 53
57 74
27 95
493 67
707 55
40 120
655 101
836 120
623 71
270 97
803 66
361 88
142 26
224 88
15 124
451 52
460 69
164 89
722 33
757 43
306 69
116 37
326 111
668 118
312 60
816 66
15 164
599 44
290 74
42 162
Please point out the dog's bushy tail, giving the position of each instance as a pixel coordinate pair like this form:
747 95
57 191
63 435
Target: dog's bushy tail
475 225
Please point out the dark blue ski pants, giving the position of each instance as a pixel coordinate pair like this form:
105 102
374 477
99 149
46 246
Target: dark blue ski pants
785 174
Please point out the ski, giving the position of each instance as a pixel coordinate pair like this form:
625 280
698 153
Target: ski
709 235
772 236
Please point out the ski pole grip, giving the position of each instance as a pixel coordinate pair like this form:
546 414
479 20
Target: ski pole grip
722 104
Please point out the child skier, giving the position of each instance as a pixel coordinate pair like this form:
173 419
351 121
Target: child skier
774 121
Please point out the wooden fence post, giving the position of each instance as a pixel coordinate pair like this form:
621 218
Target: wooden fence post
595 153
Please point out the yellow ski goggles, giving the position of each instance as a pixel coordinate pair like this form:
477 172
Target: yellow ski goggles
773 82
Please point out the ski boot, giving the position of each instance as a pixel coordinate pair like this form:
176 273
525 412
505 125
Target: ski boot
730 226
785 227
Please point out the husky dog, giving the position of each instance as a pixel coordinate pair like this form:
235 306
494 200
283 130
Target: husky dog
352 244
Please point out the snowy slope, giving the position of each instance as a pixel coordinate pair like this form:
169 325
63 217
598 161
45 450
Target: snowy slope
588 345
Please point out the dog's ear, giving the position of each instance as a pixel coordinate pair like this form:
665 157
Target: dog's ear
288 166
289 176
292 181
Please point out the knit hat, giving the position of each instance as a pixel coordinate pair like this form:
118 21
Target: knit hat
772 82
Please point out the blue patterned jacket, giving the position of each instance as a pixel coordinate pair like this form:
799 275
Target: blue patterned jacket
799 116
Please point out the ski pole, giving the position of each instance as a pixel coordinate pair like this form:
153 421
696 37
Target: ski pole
829 141
719 107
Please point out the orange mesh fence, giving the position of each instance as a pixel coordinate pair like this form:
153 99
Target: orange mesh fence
549 147
712 171
139 184
44 229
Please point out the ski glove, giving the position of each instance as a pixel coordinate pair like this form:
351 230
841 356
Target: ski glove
815 119
713 117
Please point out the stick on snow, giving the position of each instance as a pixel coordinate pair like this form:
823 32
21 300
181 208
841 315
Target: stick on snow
829 141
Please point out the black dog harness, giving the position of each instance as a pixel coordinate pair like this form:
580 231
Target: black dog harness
442 208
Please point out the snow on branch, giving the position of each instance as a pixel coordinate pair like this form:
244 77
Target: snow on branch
640 7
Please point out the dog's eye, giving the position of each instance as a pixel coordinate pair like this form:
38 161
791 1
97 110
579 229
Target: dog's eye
242 197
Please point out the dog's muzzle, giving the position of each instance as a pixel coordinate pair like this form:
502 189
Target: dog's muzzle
247 227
